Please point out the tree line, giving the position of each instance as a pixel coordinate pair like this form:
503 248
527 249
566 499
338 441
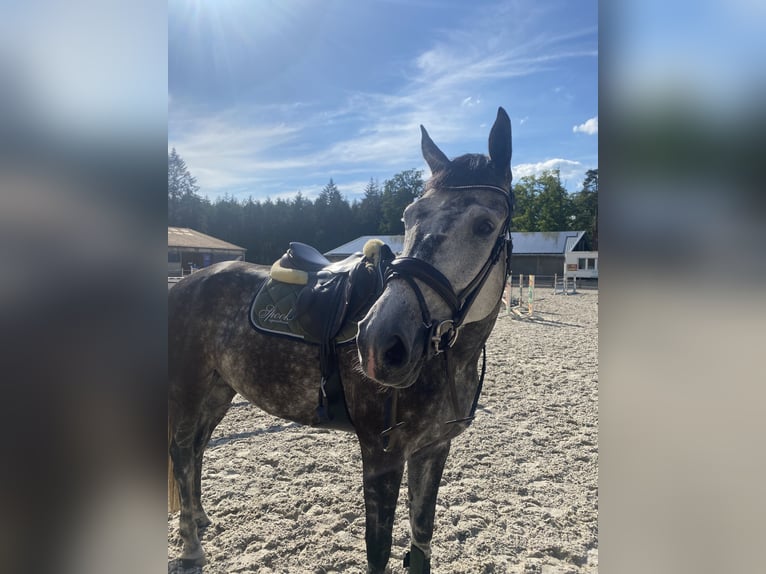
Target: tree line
543 204
266 227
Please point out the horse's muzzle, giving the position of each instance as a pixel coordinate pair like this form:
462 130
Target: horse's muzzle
390 351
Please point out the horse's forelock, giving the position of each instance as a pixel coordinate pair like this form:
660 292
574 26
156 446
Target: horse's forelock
468 169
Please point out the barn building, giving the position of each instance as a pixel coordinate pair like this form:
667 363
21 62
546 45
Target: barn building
542 253
189 250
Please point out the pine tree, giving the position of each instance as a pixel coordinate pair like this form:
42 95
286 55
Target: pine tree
333 214
398 193
185 207
302 219
369 212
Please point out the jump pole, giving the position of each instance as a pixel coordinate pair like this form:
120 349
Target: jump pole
508 295
531 297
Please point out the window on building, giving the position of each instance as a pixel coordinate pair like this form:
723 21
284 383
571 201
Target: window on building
581 263
591 263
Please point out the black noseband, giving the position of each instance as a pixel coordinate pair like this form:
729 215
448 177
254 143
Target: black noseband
410 267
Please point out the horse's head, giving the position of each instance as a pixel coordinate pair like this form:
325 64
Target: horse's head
453 267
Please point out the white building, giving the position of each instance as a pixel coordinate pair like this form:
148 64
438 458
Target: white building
581 264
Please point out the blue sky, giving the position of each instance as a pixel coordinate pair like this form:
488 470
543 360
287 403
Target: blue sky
268 98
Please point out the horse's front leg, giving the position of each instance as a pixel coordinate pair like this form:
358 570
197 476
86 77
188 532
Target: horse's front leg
382 476
424 473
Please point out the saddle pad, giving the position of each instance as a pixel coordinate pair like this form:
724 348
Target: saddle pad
273 312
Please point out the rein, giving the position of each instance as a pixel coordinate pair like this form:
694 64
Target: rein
442 335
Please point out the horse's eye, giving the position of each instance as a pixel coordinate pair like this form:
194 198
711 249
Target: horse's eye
483 227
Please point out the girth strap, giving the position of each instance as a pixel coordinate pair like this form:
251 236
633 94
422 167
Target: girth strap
332 411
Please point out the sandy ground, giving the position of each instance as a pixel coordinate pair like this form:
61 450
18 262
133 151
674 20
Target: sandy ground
519 493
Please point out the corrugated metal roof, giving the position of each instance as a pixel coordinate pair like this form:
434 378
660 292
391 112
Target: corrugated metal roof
395 242
524 243
185 237
571 242
544 242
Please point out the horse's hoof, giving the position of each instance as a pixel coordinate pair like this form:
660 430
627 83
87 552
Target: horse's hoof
202 521
186 566
195 559
191 563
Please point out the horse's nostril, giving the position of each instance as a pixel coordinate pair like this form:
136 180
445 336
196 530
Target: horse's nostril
396 355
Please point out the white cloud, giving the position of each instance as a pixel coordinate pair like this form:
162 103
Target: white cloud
571 172
590 127
523 169
373 133
251 150
470 101
226 152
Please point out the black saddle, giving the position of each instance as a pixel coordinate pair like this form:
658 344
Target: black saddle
340 292
333 295
304 258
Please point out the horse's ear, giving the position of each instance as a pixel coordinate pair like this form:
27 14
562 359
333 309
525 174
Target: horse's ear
434 157
500 142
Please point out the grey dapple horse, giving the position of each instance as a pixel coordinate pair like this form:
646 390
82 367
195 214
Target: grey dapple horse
410 379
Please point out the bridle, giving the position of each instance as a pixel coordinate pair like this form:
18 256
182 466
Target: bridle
442 335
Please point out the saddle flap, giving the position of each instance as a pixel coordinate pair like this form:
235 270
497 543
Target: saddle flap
320 307
337 299
324 304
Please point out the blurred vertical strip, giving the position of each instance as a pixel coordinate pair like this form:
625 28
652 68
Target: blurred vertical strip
83 144
682 271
